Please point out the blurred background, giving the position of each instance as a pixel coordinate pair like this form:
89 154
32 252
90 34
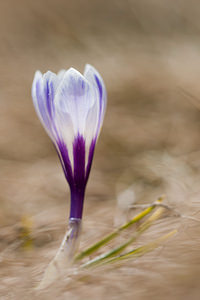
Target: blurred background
148 54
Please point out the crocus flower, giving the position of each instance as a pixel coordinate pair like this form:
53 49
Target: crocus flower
71 108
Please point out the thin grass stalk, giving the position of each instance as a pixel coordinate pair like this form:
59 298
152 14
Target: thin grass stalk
116 232
143 249
134 253
156 215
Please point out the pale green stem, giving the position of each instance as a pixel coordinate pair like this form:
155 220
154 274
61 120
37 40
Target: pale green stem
64 255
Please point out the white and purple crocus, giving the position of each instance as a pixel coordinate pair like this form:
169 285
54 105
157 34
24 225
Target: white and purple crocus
71 108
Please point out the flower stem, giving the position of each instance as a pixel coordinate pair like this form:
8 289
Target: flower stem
64 255
77 201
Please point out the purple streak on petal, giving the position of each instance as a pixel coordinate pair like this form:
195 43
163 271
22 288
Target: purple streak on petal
90 159
83 84
78 188
65 161
41 104
99 87
48 98
45 96
49 93
100 101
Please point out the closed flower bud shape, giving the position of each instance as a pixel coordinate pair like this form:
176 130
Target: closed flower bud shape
71 108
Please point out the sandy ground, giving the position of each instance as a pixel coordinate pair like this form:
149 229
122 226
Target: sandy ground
148 55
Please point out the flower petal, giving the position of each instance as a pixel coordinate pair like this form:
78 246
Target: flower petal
74 97
61 74
40 102
71 108
93 76
50 81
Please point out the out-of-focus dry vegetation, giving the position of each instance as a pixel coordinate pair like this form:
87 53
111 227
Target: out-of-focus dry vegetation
148 53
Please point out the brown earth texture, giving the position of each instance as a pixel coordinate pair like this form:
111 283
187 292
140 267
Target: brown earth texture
148 53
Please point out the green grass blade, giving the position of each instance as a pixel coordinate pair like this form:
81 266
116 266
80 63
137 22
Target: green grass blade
115 233
143 249
156 215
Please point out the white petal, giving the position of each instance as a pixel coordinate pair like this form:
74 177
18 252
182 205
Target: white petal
43 94
37 79
75 97
61 74
52 81
93 76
